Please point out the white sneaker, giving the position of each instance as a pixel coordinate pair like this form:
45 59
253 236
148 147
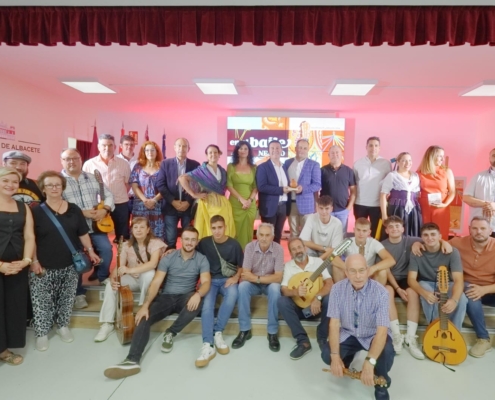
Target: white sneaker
220 344
65 334
80 302
105 331
207 354
42 343
105 281
411 343
398 340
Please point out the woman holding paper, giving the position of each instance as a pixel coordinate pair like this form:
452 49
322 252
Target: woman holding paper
437 189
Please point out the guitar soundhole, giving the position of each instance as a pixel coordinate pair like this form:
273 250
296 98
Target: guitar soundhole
444 335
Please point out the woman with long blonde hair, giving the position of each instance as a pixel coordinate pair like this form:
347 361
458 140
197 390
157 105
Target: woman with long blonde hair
437 189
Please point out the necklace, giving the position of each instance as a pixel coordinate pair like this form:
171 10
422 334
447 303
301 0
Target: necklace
58 209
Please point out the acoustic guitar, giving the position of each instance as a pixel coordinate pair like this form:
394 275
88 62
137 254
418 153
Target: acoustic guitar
313 280
124 318
104 225
353 374
442 342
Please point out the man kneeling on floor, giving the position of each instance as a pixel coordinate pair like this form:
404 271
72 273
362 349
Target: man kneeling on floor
291 312
358 312
182 269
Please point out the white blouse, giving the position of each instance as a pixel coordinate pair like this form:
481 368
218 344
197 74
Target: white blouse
395 181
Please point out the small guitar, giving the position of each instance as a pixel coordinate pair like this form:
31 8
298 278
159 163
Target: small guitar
313 280
104 225
124 318
351 373
442 342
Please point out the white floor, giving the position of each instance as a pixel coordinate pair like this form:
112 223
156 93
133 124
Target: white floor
75 371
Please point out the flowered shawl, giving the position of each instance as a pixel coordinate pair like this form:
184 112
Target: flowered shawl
205 181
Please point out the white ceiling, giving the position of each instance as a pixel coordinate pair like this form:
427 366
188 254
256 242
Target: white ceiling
147 78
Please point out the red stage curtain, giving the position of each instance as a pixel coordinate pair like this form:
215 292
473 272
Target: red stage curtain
85 149
165 26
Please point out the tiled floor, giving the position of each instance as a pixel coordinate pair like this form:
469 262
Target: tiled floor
75 371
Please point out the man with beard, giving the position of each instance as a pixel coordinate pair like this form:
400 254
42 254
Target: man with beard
28 191
480 193
291 312
477 254
182 268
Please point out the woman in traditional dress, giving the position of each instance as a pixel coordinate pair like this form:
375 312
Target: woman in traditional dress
437 189
207 185
402 189
148 200
241 183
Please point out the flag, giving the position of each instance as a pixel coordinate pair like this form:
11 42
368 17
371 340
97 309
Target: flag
93 152
122 131
146 136
164 145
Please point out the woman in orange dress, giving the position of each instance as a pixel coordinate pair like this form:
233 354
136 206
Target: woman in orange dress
436 179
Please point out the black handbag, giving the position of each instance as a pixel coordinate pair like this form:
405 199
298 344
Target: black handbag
82 262
228 269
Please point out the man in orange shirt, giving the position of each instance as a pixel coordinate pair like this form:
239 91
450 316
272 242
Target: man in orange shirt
478 254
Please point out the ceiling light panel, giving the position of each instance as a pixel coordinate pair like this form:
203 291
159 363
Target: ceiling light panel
88 87
215 86
352 87
483 89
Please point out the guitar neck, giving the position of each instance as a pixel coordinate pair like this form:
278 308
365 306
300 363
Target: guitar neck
102 192
444 318
314 276
378 380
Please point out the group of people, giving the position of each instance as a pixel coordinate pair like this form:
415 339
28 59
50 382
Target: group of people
220 252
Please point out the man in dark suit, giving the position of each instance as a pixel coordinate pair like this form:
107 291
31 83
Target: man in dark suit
273 185
177 202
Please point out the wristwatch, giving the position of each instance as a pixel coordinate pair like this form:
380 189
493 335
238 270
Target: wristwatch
372 361
258 280
319 298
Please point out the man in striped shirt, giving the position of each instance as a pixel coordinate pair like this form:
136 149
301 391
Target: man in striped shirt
358 310
115 172
262 272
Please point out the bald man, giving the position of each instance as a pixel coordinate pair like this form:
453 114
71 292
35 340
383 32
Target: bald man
177 202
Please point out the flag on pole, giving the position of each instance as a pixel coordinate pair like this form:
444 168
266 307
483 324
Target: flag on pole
164 145
146 136
93 152
122 131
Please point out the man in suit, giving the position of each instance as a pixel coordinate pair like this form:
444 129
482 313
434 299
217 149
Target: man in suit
273 185
306 173
177 202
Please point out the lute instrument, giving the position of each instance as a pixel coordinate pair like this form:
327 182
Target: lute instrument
104 225
353 374
124 318
313 280
442 342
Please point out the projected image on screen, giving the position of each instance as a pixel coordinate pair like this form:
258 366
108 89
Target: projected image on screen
321 133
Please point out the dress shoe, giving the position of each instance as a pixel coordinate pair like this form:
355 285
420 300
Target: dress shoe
273 343
241 339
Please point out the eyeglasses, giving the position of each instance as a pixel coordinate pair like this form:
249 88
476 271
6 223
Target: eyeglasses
50 186
358 271
68 159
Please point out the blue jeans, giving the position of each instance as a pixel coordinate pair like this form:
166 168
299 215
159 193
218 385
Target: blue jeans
431 310
103 248
342 216
350 346
475 313
208 324
248 289
292 314
171 222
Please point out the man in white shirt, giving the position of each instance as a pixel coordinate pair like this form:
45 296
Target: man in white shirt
115 173
127 145
322 233
480 194
370 172
368 247
291 312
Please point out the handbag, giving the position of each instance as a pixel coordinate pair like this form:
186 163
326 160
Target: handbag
82 262
228 269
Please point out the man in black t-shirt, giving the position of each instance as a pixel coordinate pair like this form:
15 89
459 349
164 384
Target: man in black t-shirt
213 247
28 191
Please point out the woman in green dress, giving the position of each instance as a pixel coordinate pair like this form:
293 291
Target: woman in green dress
241 184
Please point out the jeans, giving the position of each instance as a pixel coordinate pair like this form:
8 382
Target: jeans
103 248
278 220
475 313
161 307
350 346
171 222
208 324
431 310
120 218
374 214
248 289
342 216
293 315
